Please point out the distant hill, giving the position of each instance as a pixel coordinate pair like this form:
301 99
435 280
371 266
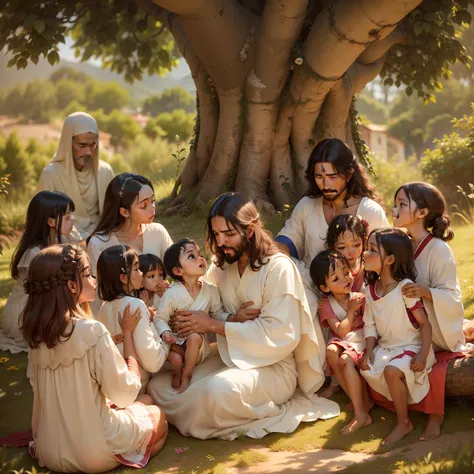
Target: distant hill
150 85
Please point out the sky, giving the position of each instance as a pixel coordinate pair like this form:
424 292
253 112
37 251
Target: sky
66 52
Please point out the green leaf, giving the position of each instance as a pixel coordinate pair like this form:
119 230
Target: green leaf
418 28
39 26
53 57
409 91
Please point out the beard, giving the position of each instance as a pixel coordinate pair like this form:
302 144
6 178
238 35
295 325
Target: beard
334 194
238 252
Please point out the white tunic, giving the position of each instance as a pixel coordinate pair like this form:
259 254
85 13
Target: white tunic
436 267
177 297
73 427
386 318
252 391
11 338
307 227
151 350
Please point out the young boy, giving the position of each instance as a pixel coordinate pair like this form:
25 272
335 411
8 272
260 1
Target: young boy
185 264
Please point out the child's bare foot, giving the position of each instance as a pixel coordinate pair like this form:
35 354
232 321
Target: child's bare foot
433 428
184 384
357 423
398 433
329 391
176 380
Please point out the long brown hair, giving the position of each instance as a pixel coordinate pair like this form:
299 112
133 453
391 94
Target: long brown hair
427 196
241 212
338 154
49 313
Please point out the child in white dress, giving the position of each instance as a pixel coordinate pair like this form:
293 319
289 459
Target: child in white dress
49 219
185 264
399 354
119 280
341 311
154 281
76 368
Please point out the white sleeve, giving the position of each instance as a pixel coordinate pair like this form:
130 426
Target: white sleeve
164 312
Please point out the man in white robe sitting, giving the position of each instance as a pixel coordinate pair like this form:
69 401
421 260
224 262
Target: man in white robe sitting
77 171
267 343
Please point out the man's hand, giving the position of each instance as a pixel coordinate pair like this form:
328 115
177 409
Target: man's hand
244 313
414 290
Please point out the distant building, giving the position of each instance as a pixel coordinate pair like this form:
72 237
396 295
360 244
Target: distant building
141 119
381 143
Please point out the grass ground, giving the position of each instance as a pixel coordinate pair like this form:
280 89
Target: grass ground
187 455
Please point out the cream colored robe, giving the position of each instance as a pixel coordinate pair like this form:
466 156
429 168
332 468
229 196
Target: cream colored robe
151 350
251 390
155 241
177 297
11 338
436 268
60 174
386 319
73 427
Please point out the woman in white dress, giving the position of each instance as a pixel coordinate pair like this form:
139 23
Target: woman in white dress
49 219
76 369
127 219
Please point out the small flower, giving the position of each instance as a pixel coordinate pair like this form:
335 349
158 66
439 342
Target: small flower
12 367
3 360
177 138
180 450
299 61
17 394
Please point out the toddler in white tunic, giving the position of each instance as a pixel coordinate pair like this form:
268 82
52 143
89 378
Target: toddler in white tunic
184 262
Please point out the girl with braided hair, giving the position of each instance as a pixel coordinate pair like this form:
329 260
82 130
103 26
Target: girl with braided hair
49 219
76 368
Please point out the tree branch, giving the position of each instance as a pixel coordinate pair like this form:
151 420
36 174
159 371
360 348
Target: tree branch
377 50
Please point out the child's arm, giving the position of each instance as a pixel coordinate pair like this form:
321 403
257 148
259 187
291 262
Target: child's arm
162 317
128 322
370 342
342 328
418 362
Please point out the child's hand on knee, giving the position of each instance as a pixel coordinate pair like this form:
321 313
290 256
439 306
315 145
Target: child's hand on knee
418 363
366 360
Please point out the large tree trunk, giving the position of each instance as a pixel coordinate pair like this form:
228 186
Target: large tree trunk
273 78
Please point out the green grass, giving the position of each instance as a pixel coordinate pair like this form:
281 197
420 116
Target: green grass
212 456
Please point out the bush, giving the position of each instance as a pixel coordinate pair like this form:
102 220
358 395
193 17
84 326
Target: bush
175 123
171 99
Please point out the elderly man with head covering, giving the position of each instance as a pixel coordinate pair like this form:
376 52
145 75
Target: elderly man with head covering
77 171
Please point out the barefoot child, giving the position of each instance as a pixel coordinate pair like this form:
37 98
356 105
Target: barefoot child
185 264
341 310
76 368
399 354
420 208
119 280
49 218
154 281
348 235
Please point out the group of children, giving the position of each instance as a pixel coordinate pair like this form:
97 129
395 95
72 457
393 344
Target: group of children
377 301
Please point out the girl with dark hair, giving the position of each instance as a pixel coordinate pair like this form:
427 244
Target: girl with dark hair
49 219
119 280
337 184
154 278
341 311
399 354
76 368
127 219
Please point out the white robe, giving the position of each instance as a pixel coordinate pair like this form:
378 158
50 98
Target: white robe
60 175
155 241
177 297
386 318
436 268
150 349
74 429
11 338
251 390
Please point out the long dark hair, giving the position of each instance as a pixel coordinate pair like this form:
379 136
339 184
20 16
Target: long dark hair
343 223
121 192
240 211
113 262
336 152
45 205
322 264
427 196
395 242
51 306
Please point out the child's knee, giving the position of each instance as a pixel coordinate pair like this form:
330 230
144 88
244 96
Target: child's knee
175 359
346 361
391 373
194 339
332 352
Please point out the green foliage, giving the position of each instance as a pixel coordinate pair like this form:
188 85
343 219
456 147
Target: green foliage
178 122
451 163
107 96
433 45
169 100
391 174
17 166
126 38
374 110
69 73
121 126
466 212
178 156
